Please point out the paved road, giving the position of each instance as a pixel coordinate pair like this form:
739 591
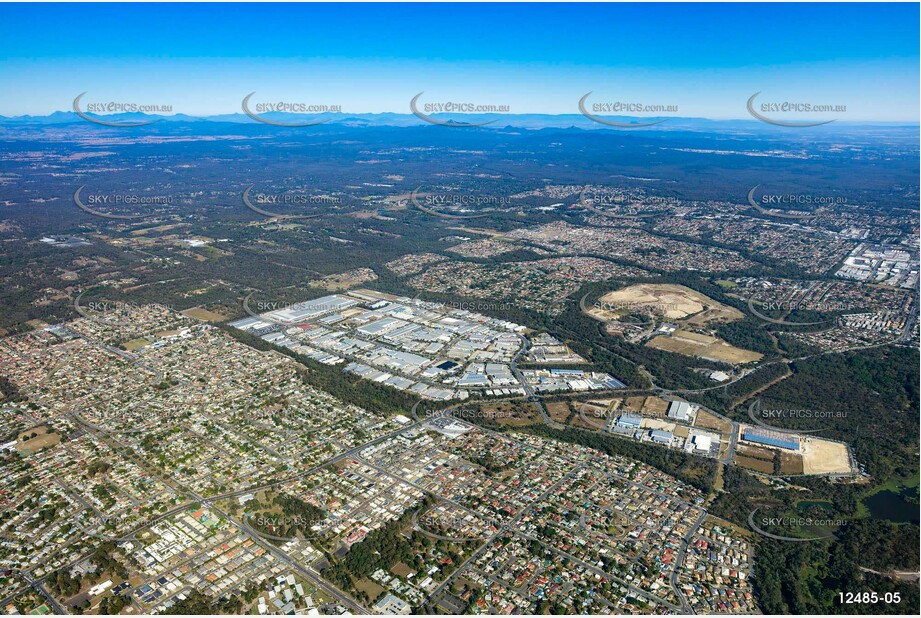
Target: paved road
306 572
512 522
191 497
528 389
530 395
502 530
38 586
679 560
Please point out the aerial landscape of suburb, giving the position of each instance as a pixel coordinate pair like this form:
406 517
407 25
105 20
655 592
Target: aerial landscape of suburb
453 309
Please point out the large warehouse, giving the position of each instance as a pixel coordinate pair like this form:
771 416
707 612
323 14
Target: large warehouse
771 438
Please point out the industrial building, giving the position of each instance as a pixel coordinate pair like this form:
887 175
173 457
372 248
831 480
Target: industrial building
702 443
660 436
404 344
680 411
771 438
310 309
629 421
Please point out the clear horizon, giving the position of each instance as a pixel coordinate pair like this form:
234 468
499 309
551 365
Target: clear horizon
838 121
704 59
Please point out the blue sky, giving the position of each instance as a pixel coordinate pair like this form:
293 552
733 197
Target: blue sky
705 58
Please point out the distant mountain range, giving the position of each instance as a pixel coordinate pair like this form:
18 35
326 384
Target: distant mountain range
500 121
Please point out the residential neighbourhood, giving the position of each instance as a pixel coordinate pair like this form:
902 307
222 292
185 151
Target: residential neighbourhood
196 465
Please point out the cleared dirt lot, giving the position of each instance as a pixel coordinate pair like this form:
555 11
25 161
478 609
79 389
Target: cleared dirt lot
589 416
654 423
824 457
591 410
759 465
816 456
675 302
634 403
558 411
702 346
705 420
655 406
205 315
755 452
369 587
136 344
791 463
344 281
518 414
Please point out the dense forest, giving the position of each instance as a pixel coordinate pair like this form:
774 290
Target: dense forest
875 397
805 577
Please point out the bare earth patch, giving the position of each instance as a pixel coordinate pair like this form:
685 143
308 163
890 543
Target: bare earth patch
824 457
705 420
675 302
42 439
205 315
702 346
558 411
759 465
